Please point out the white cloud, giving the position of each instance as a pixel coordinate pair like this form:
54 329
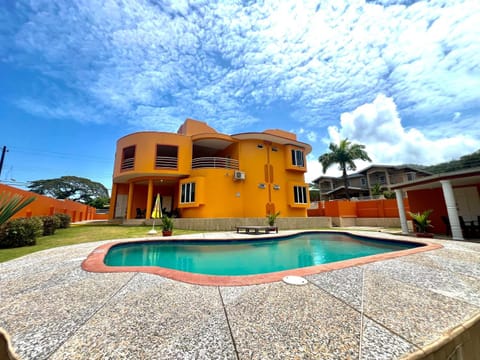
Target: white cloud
377 125
222 62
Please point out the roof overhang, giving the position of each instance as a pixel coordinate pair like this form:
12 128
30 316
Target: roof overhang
213 141
350 188
378 167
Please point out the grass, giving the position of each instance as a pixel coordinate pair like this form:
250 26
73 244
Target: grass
79 234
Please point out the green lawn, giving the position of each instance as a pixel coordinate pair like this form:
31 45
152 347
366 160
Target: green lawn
78 234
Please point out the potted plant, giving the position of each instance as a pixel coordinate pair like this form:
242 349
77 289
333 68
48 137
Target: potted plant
271 218
167 226
422 223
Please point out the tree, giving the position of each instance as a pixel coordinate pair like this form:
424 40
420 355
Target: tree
11 204
71 188
376 189
344 155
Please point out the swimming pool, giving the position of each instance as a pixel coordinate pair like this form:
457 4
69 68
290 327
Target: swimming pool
219 259
249 257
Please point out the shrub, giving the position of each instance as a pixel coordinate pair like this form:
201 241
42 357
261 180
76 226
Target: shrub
389 194
64 220
20 232
50 224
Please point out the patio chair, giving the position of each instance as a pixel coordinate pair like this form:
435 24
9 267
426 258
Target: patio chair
468 230
6 350
448 231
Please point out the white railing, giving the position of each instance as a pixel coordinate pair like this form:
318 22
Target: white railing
166 162
214 162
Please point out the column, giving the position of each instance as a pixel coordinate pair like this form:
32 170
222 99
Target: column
401 210
113 202
149 199
452 210
368 184
130 200
387 179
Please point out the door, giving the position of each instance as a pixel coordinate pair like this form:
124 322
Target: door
121 206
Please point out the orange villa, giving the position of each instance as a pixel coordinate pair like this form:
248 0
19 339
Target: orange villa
200 173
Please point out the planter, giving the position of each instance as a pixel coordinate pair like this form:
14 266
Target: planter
167 232
424 235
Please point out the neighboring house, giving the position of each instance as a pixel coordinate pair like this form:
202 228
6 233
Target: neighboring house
360 184
200 173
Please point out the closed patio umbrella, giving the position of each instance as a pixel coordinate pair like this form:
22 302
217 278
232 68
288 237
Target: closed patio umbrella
156 213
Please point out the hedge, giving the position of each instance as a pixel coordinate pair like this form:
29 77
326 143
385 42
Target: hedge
20 232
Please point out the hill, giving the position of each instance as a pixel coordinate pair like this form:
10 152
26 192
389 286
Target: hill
465 162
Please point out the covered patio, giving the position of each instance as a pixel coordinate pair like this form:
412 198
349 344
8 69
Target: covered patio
453 197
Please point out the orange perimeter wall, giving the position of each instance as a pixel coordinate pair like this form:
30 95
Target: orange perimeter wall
44 205
381 208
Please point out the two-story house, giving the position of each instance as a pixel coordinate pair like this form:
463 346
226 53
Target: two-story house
360 184
200 173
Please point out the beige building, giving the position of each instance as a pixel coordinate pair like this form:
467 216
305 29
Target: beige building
360 184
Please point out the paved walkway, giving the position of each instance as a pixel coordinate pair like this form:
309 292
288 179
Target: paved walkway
384 310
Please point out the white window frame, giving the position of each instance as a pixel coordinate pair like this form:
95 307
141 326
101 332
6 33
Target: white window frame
300 194
298 158
187 195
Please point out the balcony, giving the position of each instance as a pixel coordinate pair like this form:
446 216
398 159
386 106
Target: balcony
166 162
214 162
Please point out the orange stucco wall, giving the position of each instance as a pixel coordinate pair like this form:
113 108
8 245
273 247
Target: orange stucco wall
270 176
381 208
145 153
44 205
341 208
421 200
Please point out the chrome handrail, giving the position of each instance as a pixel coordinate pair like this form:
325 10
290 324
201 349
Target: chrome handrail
215 162
169 162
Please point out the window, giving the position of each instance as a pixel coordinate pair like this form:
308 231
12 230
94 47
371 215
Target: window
297 158
363 181
188 193
411 176
381 179
167 156
299 194
128 158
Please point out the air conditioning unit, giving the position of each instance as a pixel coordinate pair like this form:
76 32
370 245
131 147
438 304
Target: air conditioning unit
239 175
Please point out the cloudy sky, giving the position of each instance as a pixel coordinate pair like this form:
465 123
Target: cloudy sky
399 76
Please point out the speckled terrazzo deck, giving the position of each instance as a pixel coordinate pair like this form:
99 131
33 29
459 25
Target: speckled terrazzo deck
383 310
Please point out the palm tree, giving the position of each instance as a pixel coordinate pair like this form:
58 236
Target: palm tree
344 155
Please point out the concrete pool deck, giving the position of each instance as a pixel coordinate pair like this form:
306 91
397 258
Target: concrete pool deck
382 310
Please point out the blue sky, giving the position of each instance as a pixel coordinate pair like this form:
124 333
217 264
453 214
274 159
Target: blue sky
399 76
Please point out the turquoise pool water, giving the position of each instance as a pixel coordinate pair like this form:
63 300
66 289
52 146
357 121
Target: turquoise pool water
248 257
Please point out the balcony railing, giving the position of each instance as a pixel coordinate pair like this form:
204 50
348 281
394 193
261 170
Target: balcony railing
168 162
214 162
128 164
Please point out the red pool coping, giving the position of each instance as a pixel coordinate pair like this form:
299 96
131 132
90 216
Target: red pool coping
95 263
